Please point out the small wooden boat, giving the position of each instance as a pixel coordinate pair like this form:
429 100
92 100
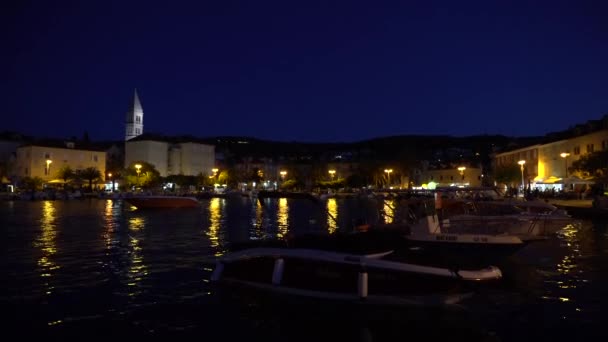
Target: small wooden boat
157 202
363 279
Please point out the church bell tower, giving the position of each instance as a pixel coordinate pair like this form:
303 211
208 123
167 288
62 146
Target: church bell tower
134 120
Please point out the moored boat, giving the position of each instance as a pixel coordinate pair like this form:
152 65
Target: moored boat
159 201
352 278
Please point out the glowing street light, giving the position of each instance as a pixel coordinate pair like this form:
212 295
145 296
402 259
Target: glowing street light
138 169
48 167
111 180
283 173
332 173
461 169
388 173
565 155
521 166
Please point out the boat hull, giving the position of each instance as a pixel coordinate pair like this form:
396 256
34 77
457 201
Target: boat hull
347 278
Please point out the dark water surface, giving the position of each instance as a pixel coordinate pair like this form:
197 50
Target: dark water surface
97 268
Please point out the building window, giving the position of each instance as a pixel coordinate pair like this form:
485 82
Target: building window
451 177
95 158
604 144
137 119
137 131
589 148
26 171
47 155
440 177
577 150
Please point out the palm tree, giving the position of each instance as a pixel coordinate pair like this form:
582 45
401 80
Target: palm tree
90 174
66 173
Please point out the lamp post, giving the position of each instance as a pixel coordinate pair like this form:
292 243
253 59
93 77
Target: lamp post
461 169
388 176
332 173
565 155
521 166
138 169
48 167
283 173
111 180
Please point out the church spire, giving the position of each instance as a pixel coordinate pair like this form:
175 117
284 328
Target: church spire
134 120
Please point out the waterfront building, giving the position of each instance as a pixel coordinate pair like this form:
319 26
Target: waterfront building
547 165
460 176
45 159
171 155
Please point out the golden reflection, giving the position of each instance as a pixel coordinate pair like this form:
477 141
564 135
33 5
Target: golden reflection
215 216
389 210
110 215
282 218
568 263
332 211
136 223
259 216
46 243
137 269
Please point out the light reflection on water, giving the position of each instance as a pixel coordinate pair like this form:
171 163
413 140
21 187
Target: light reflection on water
283 218
137 269
47 245
389 210
215 220
332 215
96 252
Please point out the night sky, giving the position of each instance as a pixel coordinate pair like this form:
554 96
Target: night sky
311 71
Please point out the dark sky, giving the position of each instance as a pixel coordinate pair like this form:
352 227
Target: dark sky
325 71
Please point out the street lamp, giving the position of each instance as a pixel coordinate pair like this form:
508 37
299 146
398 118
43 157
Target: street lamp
138 169
111 180
388 173
48 167
521 166
283 173
332 173
565 155
461 169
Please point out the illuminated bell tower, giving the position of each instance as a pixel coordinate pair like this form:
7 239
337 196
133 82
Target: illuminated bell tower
134 120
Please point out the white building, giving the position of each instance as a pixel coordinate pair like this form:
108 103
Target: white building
171 156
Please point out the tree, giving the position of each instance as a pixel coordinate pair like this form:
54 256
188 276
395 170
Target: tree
356 180
32 183
66 174
507 174
147 176
594 164
90 174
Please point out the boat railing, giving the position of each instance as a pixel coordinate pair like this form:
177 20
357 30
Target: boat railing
363 261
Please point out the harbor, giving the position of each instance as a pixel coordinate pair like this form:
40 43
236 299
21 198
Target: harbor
75 268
